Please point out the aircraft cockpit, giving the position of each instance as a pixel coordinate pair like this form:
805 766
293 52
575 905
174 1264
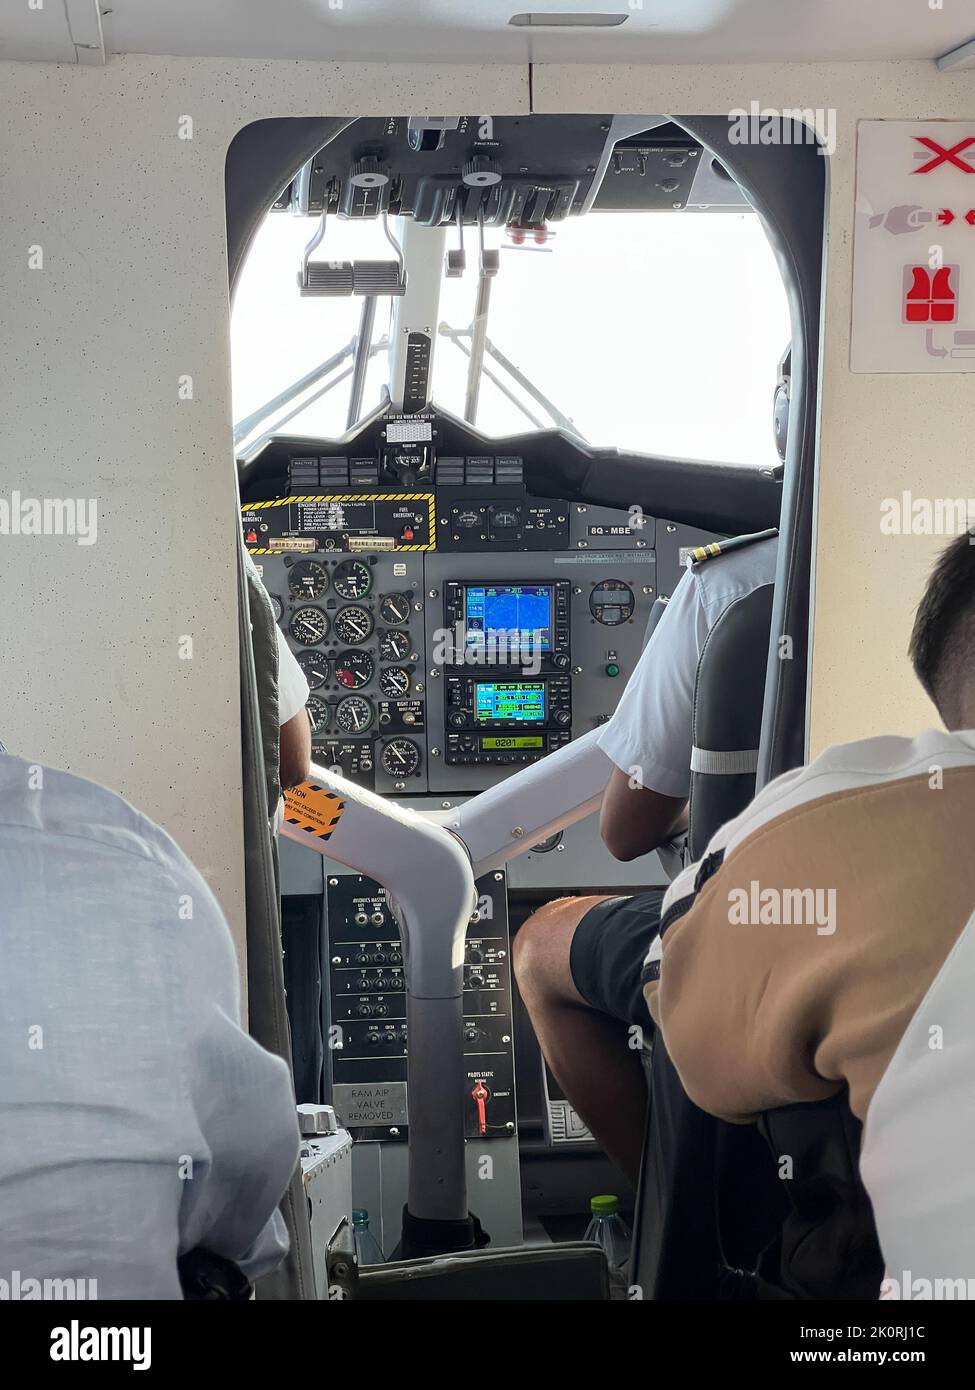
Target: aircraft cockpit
476 453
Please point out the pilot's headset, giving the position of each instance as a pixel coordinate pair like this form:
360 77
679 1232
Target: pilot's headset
780 404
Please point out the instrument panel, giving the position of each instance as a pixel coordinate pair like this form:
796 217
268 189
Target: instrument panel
459 628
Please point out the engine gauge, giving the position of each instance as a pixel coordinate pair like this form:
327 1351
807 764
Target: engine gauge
400 758
315 666
308 626
352 579
353 670
277 608
393 645
307 580
354 714
319 712
394 681
395 608
505 518
353 624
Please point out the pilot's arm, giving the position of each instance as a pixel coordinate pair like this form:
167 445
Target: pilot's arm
649 738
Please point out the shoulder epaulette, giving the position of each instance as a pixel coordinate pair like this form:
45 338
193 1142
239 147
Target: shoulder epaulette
699 553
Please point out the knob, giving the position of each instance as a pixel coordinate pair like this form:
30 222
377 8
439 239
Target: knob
562 716
475 981
481 171
316 1119
367 173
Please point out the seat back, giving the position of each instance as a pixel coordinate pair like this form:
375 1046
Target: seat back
727 727
689 1237
716 1216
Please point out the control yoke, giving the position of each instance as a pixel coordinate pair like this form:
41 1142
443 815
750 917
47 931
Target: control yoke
428 863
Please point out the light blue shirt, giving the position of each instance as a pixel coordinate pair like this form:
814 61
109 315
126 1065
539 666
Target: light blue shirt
137 1119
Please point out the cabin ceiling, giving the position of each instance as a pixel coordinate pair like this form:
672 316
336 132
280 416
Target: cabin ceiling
665 31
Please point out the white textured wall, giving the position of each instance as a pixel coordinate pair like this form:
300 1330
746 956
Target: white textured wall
877 436
133 295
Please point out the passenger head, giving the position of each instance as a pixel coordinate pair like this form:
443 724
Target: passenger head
943 641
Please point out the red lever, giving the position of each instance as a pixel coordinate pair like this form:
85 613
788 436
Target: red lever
481 1094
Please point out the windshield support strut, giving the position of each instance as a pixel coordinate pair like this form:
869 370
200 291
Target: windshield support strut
367 321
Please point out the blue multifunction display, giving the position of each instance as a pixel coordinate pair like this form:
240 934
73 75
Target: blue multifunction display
518 615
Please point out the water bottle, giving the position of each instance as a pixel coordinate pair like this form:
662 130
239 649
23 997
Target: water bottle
367 1249
608 1229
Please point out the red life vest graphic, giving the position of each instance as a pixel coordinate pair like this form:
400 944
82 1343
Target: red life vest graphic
929 296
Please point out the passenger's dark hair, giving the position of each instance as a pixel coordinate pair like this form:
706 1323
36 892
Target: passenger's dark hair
942 646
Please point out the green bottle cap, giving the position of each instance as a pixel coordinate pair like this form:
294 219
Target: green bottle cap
604 1206
360 1216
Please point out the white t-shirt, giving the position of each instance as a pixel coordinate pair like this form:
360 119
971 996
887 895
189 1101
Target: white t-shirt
650 734
293 688
138 1120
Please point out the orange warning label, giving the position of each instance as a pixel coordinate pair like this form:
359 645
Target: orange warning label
311 808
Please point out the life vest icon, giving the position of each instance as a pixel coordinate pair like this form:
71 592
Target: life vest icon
929 295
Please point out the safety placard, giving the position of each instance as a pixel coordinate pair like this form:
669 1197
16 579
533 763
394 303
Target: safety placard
311 810
914 247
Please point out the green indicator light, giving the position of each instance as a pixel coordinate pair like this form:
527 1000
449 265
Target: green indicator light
612 669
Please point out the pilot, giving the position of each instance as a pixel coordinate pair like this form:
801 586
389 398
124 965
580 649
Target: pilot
138 1121
579 961
293 725
833 945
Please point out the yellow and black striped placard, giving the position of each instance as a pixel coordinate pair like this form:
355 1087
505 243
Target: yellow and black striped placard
418 497
311 808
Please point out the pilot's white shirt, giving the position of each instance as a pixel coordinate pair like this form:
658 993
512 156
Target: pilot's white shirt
293 688
649 737
138 1120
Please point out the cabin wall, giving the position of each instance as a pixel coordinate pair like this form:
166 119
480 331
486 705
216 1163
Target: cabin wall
879 434
130 301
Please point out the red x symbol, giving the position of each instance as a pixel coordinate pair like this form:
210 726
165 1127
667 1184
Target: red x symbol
945 156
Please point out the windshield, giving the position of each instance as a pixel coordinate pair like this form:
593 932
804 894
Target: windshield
653 332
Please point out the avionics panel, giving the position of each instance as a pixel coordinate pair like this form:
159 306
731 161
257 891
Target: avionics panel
451 625
366 1016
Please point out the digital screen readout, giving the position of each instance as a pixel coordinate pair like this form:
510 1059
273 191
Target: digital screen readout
521 701
521 741
519 615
